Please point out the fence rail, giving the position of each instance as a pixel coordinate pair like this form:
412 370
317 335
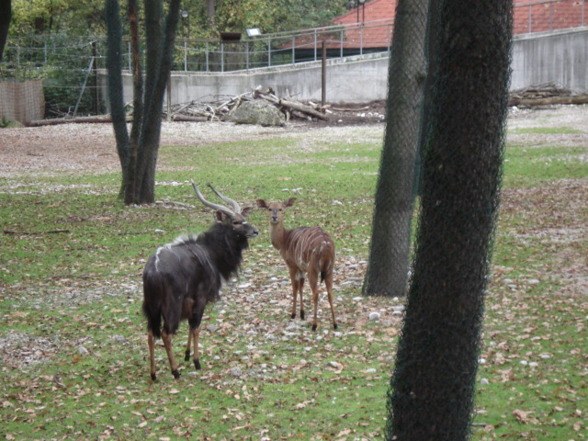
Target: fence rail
276 49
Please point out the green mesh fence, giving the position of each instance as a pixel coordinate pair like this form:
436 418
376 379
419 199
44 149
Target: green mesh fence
432 389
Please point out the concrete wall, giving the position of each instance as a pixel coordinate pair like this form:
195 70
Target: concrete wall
349 79
560 57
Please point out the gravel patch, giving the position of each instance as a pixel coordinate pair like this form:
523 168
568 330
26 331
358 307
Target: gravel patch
50 150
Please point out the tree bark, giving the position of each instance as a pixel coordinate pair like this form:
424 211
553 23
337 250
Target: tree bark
5 16
387 272
115 86
138 154
130 184
210 12
432 388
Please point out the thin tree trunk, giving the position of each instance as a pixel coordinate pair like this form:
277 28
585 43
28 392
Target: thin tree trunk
131 183
433 385
210 11
138 154
115 87
387 272
158 67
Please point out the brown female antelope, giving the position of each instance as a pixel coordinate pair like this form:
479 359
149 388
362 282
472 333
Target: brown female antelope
182 277
306 250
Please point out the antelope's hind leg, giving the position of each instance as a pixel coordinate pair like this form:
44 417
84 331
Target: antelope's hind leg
167 342
300 286
151 343
313 282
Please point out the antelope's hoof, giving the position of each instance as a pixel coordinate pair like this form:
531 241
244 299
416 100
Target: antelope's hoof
187 356
176 374
335 326
301 315
153 377
314 327
197 365
293 316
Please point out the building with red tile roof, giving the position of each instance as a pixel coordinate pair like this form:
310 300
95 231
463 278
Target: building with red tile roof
370 24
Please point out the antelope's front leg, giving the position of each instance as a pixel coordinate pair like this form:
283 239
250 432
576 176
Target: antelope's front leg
196 336
295 287
194 323
313 282
187 354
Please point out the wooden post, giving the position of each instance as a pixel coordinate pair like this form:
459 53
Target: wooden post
169 103
95 78
324 73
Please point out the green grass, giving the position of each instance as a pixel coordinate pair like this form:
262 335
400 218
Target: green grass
72 343
525 166
546 131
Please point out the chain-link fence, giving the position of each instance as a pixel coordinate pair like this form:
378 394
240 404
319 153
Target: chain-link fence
68 65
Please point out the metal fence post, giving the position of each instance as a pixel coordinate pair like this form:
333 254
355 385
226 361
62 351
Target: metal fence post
269 52
324 73
222 54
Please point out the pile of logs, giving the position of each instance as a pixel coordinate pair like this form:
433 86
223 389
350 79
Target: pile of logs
220 109
545 94
215 109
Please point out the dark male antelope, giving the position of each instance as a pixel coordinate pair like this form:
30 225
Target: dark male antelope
307 251
180 278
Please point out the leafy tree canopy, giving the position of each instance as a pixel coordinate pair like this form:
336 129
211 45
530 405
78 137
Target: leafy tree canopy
76 17
83 17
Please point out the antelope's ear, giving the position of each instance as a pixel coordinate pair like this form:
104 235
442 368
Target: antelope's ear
289 202
245 212
220 217
261 203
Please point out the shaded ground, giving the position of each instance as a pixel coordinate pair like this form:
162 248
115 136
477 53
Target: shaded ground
355 114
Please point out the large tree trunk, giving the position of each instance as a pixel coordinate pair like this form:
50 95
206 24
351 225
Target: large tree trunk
433 385
387 272
210 11
5 16
138 154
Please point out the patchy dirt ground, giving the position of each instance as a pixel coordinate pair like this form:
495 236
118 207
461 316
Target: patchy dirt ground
554 213
71 147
